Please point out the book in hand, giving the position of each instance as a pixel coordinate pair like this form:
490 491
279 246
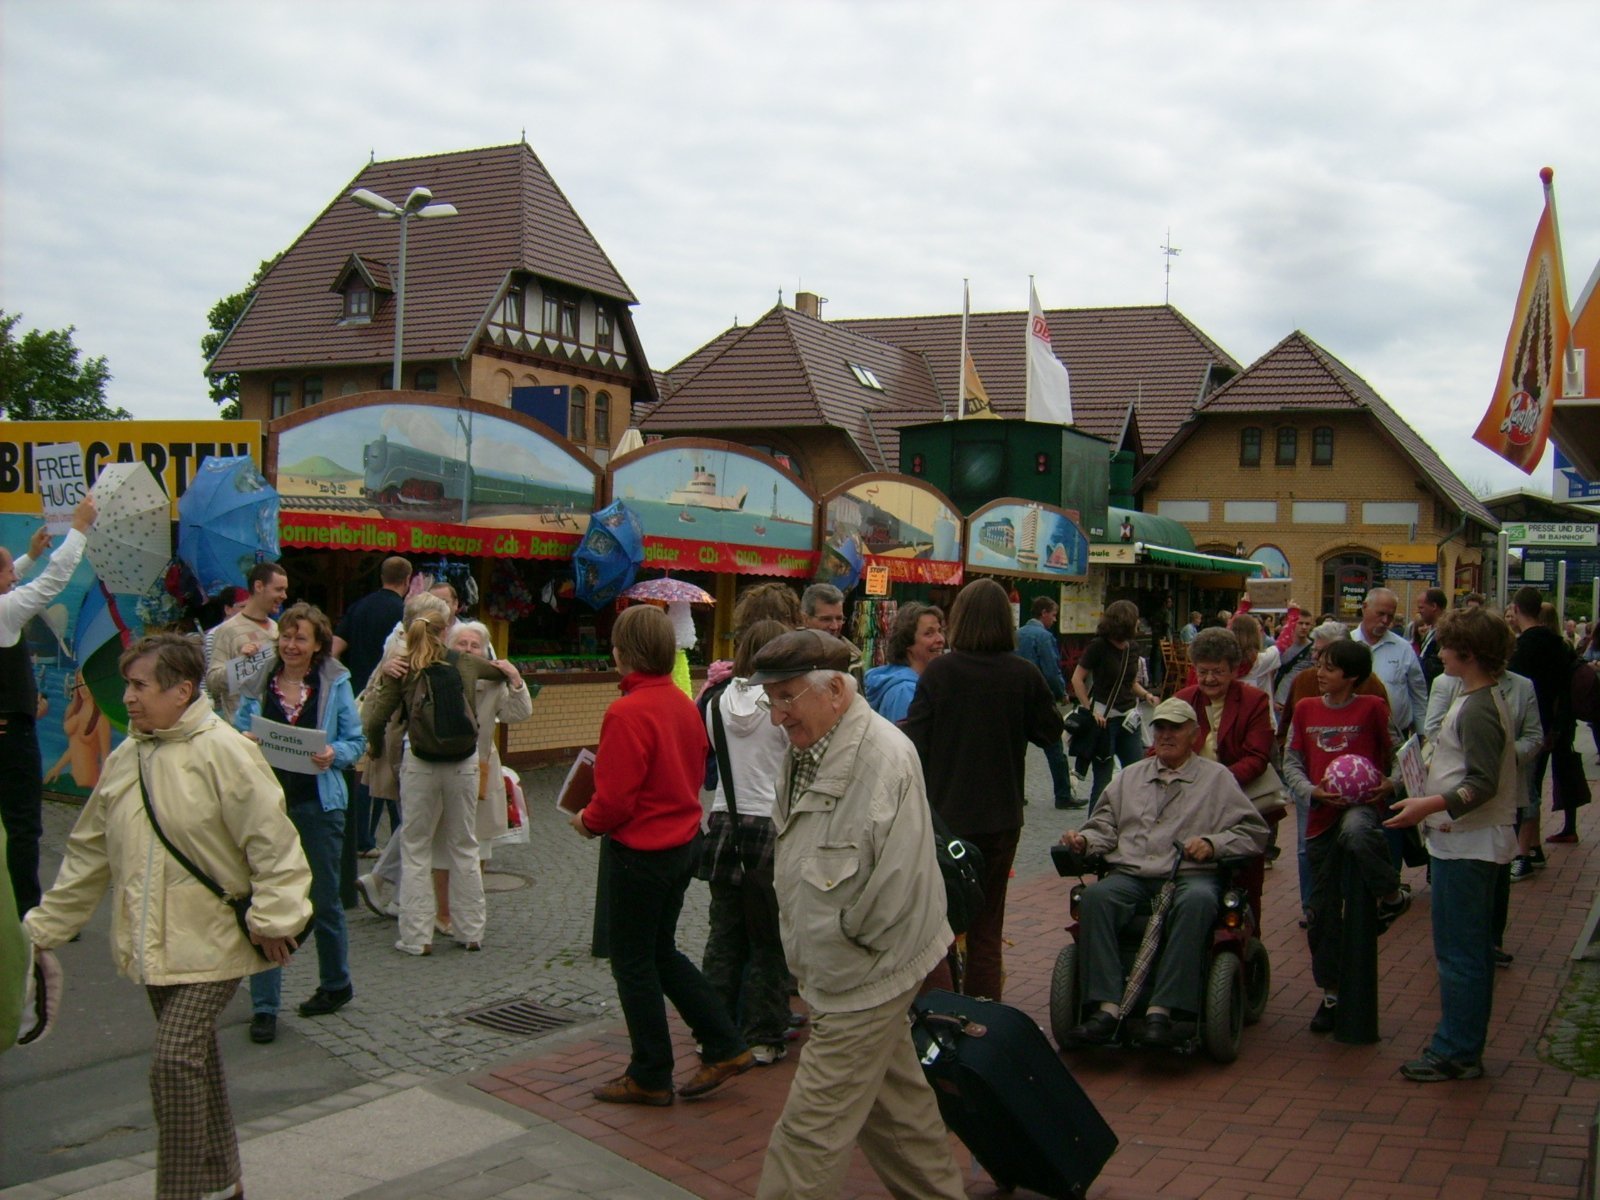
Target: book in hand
578 787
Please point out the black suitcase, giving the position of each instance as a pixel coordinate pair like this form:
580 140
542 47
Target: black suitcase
1006 1094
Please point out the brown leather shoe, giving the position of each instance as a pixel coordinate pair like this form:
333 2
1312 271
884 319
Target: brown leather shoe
711 1076
625 1090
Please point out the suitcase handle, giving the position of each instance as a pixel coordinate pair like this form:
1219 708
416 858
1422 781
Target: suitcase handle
951 1025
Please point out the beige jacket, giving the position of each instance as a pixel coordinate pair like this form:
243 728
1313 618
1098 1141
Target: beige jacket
861 902
233 634
219 803
496 706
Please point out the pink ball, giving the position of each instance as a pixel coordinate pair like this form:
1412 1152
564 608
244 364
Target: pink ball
1352 778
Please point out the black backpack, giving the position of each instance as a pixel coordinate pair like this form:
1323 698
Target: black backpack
441 723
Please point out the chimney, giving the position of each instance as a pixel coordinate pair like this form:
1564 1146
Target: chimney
807 304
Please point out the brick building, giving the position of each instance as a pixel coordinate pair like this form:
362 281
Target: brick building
512 292
1298 461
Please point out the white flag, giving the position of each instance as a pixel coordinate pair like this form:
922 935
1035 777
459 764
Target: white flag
1049 392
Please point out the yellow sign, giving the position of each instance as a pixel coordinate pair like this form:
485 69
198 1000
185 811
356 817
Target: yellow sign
1112 553
1408 554
172 450
877 580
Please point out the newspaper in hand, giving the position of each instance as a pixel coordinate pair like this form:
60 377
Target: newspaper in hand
1412 770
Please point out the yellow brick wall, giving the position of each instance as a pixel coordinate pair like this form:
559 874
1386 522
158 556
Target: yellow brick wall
492 378
565 716
1367 468
255 388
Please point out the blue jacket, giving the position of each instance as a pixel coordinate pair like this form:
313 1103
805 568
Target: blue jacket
336 715
1038 645
889 690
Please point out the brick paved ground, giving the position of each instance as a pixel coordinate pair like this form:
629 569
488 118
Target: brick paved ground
1296 1116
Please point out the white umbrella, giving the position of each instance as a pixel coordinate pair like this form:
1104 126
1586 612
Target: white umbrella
130 543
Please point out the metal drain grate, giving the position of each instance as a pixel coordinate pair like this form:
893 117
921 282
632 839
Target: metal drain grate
521 1018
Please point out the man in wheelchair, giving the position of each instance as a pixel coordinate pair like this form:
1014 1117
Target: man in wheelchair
1173 798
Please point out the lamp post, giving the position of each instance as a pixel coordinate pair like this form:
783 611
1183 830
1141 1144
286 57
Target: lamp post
418 204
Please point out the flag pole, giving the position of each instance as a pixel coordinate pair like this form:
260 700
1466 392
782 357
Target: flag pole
1027 350
1569 364
961 360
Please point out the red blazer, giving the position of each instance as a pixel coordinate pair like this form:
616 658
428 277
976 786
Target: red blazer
1244 743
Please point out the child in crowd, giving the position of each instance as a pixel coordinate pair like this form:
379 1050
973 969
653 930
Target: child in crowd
1334 723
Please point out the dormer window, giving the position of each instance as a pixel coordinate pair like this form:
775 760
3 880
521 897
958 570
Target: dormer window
864 376
357 303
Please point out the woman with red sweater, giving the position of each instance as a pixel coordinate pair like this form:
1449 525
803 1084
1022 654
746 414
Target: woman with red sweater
647 775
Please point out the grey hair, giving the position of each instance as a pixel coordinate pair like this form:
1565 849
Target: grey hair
819 593
1330 631
460 627
821 677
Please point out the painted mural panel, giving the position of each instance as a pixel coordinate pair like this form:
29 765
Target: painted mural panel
714 506
455 478
1025 538
901 524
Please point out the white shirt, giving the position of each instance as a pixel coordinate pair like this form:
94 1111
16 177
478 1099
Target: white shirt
1399 669
26 601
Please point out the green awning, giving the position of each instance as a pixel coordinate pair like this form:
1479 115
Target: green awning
1148 527
1193 561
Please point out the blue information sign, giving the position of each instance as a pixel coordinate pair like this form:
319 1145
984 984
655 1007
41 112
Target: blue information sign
1569 485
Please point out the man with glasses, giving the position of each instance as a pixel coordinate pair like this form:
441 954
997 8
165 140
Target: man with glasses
1394 662
862 914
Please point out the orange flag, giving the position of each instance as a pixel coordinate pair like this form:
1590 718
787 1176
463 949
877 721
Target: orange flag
1532 368
974 397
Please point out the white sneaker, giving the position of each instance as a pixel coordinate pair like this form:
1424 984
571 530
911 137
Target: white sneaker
765 1056
371 889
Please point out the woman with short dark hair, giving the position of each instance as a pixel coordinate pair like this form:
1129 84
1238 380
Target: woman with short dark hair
647 775
975 710
1106 681
916 639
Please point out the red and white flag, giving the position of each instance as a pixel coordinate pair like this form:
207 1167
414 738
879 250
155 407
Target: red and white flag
1533 365
1049 391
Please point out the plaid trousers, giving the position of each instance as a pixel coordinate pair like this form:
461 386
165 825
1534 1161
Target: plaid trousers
197 1150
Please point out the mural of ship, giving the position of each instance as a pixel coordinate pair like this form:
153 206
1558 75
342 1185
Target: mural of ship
701 492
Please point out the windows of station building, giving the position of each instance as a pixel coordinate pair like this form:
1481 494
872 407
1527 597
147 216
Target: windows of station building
357 303
282 397
604 332
1322 446
511 309
578 415
426 380
552 314
1288 445
602 418
1250 446
311 391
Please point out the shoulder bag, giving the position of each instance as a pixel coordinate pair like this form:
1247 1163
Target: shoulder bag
961 864
241 907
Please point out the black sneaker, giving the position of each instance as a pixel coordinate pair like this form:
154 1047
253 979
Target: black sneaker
323 1002
1322 1019
1521 868
263 1028
1537 860
1390 911
1502 959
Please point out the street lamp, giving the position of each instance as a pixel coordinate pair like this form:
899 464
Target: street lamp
418 204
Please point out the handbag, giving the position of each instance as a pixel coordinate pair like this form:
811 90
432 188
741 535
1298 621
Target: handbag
240 906
1266 792
961 864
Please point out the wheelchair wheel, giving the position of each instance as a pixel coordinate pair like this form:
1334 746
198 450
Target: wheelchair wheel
1223 1019
1257 980
1064 994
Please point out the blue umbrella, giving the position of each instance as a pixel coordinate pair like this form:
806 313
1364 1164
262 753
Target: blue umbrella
227 523
608 558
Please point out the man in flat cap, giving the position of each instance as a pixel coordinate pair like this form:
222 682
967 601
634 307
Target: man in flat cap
862 912
1173 798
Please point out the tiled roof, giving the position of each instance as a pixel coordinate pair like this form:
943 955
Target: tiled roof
1297 375
513 217
1153 356
791 369
375 273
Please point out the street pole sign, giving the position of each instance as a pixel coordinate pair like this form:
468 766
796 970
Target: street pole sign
1552 533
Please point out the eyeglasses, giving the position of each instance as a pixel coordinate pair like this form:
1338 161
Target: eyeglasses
767 702
1212 672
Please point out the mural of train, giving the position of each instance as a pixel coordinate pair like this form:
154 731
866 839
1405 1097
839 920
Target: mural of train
395 473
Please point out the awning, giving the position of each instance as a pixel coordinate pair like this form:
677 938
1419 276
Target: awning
1193 561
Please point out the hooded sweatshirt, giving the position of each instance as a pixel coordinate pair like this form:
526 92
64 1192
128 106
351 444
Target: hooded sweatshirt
889 690
756 748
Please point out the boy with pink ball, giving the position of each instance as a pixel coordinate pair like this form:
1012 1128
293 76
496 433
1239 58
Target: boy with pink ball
1345 811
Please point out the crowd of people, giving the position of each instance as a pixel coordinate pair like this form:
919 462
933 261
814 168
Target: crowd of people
808 797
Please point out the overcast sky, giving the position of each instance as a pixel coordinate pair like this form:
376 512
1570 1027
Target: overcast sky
1367 173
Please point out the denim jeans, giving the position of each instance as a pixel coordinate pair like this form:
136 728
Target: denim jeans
1126 744
1463 947
645 889
1060 772
322 838
744 961
360 811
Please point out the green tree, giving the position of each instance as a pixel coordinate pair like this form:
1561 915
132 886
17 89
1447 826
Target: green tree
224 315
42 379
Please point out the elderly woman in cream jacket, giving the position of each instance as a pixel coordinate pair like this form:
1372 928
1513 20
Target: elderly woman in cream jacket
219 803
